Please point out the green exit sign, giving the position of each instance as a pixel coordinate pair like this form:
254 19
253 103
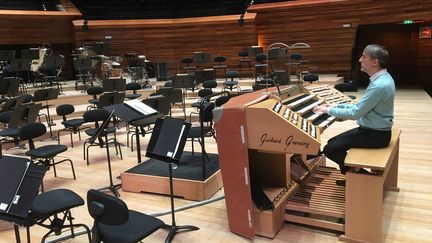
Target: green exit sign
408 21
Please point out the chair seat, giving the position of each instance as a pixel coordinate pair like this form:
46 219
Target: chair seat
132 96
55 201
47 151
260 65
195 132
93 131
197 104
220 66
136 228
10 132
73 122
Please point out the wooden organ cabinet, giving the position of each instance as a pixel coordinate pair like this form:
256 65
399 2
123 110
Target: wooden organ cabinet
268 143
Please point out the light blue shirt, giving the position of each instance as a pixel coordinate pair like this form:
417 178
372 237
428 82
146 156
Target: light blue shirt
375 108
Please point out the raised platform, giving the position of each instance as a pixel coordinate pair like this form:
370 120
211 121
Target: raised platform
152 176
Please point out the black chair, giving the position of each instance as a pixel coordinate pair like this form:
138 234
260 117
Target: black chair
206 119
114 222
73 126
52 210
260 65
45 154
161 104
134 87
221 100
208 86
220 64
230 84
96 116
187 61
94 92
245 63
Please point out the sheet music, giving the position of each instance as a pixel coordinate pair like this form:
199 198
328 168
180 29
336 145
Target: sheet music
140 107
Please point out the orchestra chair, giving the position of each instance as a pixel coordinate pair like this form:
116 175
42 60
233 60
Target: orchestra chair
260 65
186 62
45 154
72 126
161 104
220 64
244 63
94 91
221 100
230 84
134 87
114 222
97 116
208 86
206 125
52 210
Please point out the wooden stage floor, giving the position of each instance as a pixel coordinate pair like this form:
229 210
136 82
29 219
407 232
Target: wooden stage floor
407 214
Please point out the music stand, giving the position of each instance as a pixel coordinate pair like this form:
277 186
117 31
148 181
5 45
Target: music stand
7 55
83 66
30 53
102 133
9 87
21 65
184 81
114 85
131 114
19 183
202 58
45 95
255 50
166 144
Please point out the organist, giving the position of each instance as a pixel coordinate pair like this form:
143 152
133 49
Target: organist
373 112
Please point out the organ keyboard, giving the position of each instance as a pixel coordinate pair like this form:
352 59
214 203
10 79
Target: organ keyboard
273 139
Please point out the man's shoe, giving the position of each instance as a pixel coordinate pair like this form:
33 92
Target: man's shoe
341 182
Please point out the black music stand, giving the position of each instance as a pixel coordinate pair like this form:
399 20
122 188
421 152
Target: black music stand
114 85
19 184
184 81
32 53
45 95
166 144
21 65
138 64
202 58
100 134
9 87
132 114
83 66
7 55
255 50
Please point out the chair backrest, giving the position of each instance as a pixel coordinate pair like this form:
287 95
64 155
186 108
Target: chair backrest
133 86
295 56
204 92
207 113
260 58
95 116
65 109
106 209
221 100
31 131
231 74
95 90
219 59
310 78
187 60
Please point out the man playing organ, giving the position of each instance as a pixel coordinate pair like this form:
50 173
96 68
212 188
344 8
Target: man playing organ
373 112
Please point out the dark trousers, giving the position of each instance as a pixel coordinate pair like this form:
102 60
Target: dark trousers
337 147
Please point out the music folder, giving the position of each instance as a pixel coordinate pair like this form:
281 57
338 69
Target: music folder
168 139
19 184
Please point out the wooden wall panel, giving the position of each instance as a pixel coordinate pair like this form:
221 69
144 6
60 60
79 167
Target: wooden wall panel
319 23
171 40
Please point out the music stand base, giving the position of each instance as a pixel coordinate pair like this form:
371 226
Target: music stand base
112 188
174 229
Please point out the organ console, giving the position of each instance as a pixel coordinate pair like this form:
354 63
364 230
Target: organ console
272 139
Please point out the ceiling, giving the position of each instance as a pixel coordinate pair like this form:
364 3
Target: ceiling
139 9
